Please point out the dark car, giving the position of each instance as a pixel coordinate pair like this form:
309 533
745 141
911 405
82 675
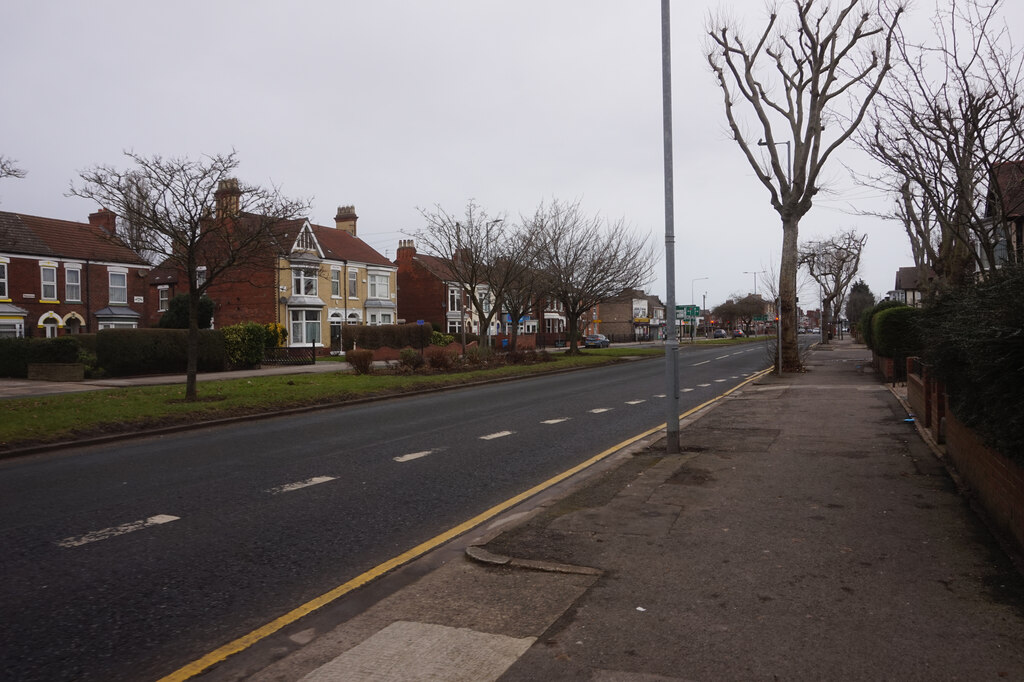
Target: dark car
596 341
720 334
738 334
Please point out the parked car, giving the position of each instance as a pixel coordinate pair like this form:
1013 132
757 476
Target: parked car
738 334
720 334
596 341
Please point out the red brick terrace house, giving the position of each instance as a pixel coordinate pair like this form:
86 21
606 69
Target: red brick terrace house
61 277
313 280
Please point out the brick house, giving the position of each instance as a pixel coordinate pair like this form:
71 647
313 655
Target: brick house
631 316
313 280
430 291
61 277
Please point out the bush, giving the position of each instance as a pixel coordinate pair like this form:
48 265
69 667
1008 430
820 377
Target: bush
361 360
276 336
896 333
245 343
17 353
387 335
478 356
975 344
124 352
439 339
441 358
865 320
176 316
411 358
14 357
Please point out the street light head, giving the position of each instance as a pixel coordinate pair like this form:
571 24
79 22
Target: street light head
762 143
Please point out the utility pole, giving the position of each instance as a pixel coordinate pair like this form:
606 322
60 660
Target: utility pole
671 340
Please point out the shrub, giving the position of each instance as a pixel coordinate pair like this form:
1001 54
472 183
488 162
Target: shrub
176 316
439 339
60 349
516 357
865 320
276 336
387 335
478 355
361 360
411 358
14 357
975 344
123 352
441 358
17 353
245 343
895 332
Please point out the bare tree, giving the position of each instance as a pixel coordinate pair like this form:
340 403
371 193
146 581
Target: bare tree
796 82
950 135
197 217
9 168
487 256
833 263
588 260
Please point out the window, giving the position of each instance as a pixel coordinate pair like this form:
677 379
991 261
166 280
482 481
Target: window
385 318
200 276
454 326
304 281
305 327
119 287
3 280
49 276
353 284
373 318
163 302
454 299
11 329
379 286
73 285
335 282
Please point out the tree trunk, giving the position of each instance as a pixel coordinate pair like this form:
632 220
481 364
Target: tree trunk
787 295
826 319
572 335
192 347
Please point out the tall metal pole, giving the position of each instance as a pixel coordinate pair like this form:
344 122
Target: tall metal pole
671 340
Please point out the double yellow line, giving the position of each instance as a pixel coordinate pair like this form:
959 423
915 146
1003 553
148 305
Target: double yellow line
223 653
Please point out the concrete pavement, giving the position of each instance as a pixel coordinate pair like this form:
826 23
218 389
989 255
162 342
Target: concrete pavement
806 532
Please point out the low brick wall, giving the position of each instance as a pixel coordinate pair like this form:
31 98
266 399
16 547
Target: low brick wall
997 481
56 371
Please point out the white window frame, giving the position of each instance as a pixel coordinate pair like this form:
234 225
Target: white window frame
111 288
7 326
200 276
304 281
301 323
353 283
454 299
377 283
3 279
163 298
46 287
335 283
385 318
73 290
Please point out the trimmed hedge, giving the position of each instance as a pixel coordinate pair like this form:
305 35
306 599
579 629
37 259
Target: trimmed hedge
896 332
866 320
244 343
124 352
17 353
387 336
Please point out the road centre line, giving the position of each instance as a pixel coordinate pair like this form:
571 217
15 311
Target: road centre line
703 385
117 530
687 390
288 487
635 402
555 421
499 434
242 643
412 455
719 381
701 363
723 357
660 395
599 410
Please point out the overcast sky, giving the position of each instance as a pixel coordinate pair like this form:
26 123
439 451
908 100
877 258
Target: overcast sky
397 105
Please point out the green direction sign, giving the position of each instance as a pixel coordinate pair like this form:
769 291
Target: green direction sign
760 318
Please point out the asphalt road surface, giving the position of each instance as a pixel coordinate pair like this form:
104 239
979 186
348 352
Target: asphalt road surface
128 560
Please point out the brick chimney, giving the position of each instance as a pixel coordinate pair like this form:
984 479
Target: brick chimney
406 252
228 197
346 219
104 219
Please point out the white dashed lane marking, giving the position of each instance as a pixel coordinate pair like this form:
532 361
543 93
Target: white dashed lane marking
687 390
722 357
701 363
599 410
499 434
288 487
718 381
635 402
117 530
660 395
555 421
412 455
703 385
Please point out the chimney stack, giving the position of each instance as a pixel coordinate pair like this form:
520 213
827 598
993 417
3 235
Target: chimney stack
406 250
346 219
104 219
228 198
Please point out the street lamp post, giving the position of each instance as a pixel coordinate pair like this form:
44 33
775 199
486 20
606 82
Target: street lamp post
693 302
789 164
755 273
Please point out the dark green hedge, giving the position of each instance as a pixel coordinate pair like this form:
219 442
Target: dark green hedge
124 352
865 320
387 336
975 345
896 332
17 353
